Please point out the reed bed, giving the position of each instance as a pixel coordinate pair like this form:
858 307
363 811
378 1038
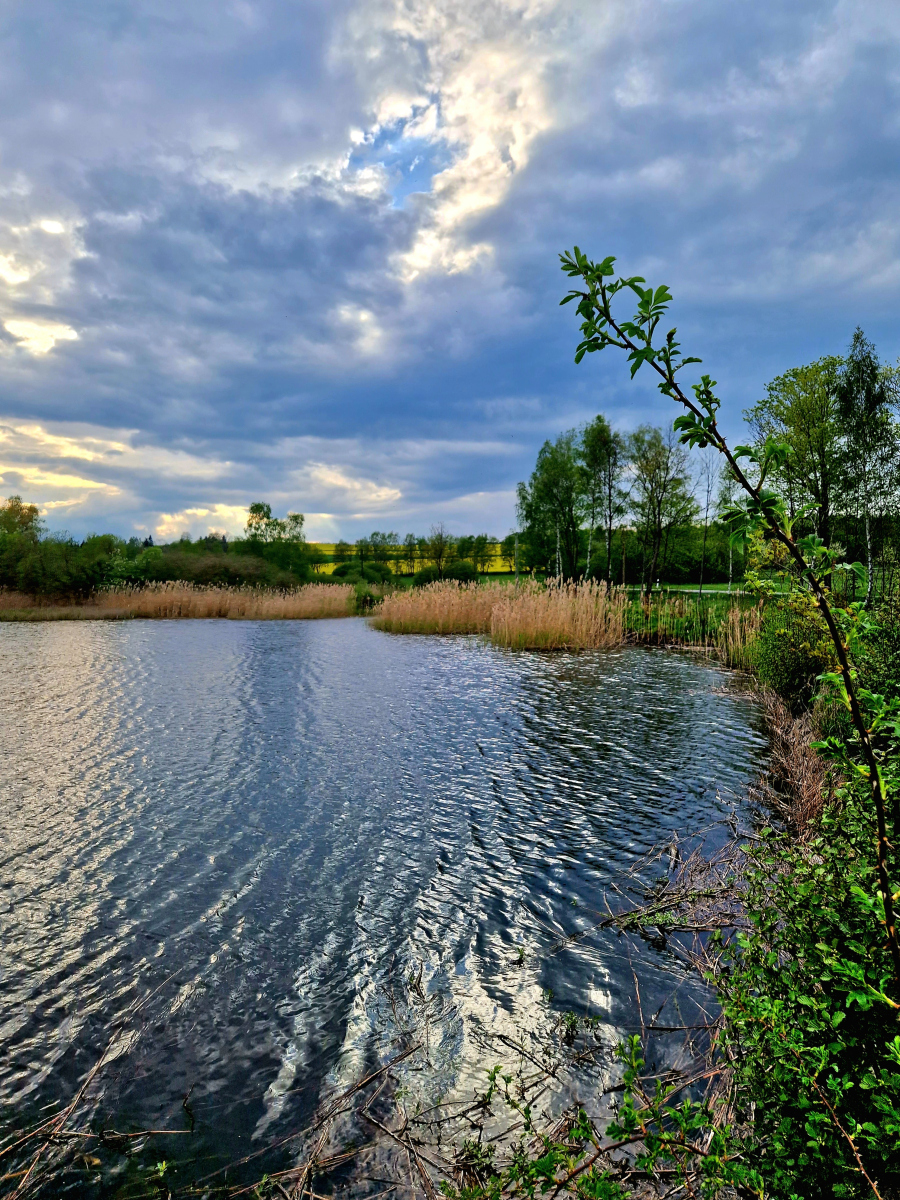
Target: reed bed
533 616
186 600
15 601
573 616
717 622
443 607
559 616
174 600
736 633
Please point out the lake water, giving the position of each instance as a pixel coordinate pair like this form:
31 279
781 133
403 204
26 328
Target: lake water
262 826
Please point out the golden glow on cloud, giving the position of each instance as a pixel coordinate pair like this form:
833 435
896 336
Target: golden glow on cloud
13 271
361 493
485 67
39 337
216 518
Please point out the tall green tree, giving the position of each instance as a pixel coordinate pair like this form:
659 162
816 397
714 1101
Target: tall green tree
383 546
263 528
865 394
482 552
800 411
552 506
410 550
661 499
19 518
603 460
441 548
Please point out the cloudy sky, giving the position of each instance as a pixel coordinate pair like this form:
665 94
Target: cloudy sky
306 250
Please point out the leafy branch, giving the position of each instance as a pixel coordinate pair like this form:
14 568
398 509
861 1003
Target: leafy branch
762 508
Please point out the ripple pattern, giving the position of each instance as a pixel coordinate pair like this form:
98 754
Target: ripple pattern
260 824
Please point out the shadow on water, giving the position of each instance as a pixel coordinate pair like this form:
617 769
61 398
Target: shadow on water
260 826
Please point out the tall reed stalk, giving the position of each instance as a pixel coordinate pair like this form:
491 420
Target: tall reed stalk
736 635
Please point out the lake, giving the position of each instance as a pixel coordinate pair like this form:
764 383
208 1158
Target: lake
260 828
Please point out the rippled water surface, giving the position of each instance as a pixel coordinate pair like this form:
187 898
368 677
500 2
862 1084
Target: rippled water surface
269 822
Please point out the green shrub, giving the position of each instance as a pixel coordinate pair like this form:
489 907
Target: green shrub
792 649
354 572
812 1035
425 576
463 571
879 660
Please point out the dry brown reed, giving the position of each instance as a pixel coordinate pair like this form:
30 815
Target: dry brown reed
447 607
180 600
798 783
532 616
187 600
15 601
560 616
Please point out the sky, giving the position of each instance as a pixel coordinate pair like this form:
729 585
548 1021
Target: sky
306 251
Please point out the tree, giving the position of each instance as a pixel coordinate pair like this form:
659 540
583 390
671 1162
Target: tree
363 549
706 481
729 490
410 550
482 552
800 411
661 499
865 393
262 527
16 517
440 548
551 506
343 552
383 545
603 459
465 548
509 549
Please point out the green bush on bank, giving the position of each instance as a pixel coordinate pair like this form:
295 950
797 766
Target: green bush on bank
369 572
462 572
810 1028
792 649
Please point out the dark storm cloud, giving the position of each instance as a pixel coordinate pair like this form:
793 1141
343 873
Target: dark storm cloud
309 250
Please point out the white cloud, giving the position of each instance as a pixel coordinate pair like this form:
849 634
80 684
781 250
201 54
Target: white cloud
39 337
199 521
359 494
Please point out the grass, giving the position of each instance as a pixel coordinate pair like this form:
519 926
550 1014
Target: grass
189 601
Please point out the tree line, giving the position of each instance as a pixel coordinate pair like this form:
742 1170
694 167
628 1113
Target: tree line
625 508
272 553
641 507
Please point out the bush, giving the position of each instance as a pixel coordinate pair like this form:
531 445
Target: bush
463 572
425 576
355 572
792 649
812 1036
879 661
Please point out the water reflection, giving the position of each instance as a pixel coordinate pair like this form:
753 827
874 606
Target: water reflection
282 817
